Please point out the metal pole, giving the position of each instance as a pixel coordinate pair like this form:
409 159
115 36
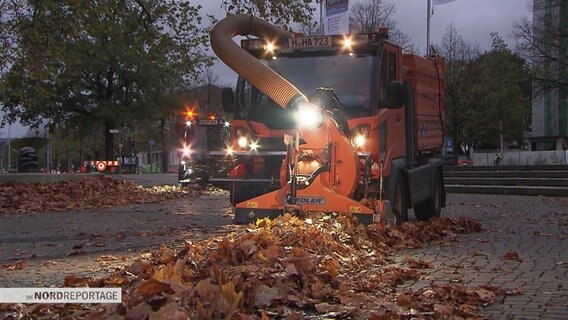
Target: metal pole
428 15
120 157
9 148
321 16
48 153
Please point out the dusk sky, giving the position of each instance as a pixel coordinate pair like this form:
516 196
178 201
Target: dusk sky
473 19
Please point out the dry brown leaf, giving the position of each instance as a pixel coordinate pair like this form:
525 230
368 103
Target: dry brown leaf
444 309
331 266
404 301
170 311
230 299
265 295
512 255
484 295
152 287
419 264
171 272
18 265
207 291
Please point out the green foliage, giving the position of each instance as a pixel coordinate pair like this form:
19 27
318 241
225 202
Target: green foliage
486 94
502 102
100 63
280 12
460 81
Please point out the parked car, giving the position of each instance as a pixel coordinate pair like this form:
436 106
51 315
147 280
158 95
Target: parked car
464 160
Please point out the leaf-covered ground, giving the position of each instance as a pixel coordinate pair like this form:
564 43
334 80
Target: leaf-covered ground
325 266
92 192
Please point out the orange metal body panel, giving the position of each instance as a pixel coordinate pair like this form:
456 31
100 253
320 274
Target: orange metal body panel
335 186
426 76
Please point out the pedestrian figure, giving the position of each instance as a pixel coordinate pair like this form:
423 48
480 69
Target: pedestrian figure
497 159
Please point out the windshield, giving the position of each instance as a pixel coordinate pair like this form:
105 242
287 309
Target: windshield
352 77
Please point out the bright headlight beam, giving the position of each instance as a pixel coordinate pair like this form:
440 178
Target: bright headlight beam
242 142
347 43
309 116
253 146
360 140
270 47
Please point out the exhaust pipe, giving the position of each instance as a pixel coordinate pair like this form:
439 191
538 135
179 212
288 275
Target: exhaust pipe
265 79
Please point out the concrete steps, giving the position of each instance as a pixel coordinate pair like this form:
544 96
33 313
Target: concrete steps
520 180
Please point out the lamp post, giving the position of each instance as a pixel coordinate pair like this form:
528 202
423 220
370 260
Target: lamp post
48 152
9 149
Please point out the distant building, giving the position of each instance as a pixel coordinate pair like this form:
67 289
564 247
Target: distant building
550 106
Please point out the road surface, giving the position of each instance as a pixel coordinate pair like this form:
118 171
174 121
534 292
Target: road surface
50 246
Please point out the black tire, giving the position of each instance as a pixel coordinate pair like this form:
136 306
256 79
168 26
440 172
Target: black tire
431 207
399 202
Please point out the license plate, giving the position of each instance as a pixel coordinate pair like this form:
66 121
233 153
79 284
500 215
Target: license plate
208 122
309 42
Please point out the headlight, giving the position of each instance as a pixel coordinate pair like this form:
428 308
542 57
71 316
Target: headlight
309 116
270 47
253 146
242 142
360 140
360 135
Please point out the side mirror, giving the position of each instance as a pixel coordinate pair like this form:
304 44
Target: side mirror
395 96
227 100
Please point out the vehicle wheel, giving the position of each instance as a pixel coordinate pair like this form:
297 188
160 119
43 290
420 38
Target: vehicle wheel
399 203
431 207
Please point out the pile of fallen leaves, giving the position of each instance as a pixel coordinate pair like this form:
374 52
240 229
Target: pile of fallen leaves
91 192
325 266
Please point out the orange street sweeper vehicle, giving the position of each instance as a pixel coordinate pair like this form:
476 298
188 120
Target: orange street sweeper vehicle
333 123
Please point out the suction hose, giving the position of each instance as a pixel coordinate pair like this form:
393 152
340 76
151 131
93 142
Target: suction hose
265 79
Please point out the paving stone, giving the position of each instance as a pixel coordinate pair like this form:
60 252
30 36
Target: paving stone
524 225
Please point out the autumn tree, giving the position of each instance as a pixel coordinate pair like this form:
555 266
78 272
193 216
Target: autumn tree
98 64
543 42
503 106
283 13
461 99
371 15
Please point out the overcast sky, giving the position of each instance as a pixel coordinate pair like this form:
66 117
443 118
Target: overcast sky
473 19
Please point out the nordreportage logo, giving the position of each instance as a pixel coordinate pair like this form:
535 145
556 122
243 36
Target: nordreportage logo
60 295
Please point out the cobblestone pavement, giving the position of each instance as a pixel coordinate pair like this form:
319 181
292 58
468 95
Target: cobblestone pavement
54 245
534 228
